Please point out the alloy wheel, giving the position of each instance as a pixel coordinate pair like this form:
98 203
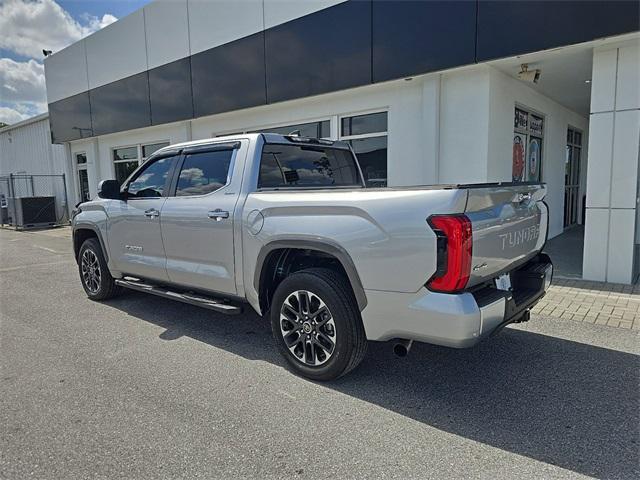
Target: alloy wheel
91 271
307 327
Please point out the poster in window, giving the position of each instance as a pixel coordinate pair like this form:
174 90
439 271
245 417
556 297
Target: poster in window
535 125
518 157
520 120
534 158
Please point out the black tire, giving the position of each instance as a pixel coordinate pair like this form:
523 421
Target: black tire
335 291
107 287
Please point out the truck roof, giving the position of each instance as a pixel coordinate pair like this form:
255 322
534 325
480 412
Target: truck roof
268 138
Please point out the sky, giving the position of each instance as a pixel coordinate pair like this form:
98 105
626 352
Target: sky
28 27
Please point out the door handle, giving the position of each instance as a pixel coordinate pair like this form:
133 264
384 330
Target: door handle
218 214
151 213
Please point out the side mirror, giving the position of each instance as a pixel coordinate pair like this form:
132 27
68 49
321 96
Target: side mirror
109 189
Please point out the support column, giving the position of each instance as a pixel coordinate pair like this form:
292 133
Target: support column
612 172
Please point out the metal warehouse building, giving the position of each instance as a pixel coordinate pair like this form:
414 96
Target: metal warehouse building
425 91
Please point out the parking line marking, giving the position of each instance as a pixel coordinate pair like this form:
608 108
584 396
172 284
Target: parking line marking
48 249
21 267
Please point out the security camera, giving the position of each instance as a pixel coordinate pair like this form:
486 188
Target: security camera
46 53
526 75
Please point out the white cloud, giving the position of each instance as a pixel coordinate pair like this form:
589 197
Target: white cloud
10 116
22 90
22 81
28 27
95 23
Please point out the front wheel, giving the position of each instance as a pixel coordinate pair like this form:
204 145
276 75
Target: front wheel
316 324
94 273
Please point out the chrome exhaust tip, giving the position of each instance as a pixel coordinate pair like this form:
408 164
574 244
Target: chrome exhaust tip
401 347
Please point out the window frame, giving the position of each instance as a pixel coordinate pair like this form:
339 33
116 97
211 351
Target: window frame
139 158
526 132
245 131
234 146
347 138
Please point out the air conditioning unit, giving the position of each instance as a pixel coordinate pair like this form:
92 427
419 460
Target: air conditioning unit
32 212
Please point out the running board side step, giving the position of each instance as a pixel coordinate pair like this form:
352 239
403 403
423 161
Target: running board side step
191 298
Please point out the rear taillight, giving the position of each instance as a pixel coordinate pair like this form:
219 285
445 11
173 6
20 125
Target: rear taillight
454 245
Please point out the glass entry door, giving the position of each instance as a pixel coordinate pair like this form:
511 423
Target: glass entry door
83 177
572 177
83 182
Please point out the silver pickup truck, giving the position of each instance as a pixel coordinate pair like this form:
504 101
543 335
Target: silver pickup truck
286 225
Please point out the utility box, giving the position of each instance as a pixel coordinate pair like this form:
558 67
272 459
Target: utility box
32 212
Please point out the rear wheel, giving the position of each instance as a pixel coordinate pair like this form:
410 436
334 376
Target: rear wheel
94 273
316 324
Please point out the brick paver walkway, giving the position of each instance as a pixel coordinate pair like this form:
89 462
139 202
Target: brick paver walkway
594 302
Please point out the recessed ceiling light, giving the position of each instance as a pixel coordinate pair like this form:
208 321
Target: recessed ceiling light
587 81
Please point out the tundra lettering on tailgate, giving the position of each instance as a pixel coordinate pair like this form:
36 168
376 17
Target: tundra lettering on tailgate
524 235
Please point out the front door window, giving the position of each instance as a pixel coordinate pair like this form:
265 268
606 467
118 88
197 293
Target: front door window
152 180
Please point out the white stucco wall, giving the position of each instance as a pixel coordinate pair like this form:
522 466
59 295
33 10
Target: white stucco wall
507 92
611 234
454 127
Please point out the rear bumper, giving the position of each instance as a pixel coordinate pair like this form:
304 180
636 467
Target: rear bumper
459 320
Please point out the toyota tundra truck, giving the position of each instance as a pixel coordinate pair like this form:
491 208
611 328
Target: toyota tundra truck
286 225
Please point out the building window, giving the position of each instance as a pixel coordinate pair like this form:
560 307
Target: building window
527 146
572 177
321 129
127 159
83 177
148 150
367 135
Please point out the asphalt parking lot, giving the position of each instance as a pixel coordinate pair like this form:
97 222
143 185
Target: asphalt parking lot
140 387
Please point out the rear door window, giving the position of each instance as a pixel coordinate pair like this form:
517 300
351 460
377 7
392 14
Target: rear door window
204 172
307 166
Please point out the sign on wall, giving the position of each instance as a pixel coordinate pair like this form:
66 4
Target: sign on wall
527 146
533 159
520 121
518 157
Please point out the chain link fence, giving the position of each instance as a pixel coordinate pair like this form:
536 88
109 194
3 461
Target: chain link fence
32 201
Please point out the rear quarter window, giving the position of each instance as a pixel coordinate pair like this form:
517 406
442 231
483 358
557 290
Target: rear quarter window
307 166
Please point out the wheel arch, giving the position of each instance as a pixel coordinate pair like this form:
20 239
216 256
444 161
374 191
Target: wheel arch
274 255
83 232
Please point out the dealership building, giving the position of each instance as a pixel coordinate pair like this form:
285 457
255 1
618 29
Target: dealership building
426 92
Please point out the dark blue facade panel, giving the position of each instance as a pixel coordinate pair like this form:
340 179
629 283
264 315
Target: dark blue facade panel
121 105
350 44
170 92
70 118
229 77
323 52
507 28
414 37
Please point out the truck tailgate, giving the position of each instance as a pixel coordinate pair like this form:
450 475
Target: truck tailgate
509 225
